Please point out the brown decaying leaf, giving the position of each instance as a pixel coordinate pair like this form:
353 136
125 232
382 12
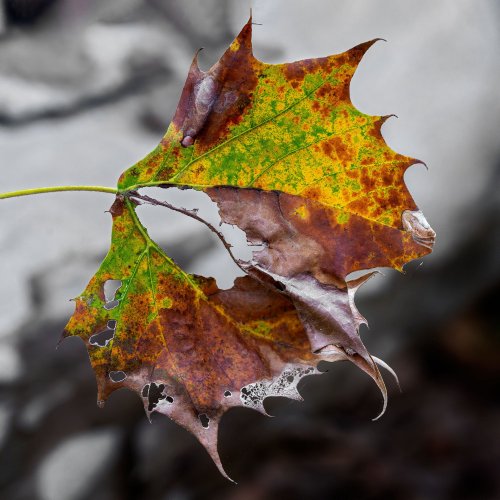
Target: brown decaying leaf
291 162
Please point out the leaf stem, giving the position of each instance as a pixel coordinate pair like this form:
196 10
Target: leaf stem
56 189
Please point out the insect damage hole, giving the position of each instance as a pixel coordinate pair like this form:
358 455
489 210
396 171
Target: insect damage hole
204 420
110 289
102 339
228 394
155 394
117 376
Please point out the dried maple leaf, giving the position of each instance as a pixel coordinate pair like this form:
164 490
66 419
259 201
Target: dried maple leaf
289 160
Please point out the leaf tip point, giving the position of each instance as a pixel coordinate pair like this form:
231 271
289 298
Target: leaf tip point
372 42
378 416
421 162
194 62
384 407
386 117
383 364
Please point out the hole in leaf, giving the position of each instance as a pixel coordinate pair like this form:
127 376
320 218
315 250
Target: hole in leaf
205 421
155 394
110 289
112 324
145 391
170 399
191 243
228 394
117 376
290 378
103 338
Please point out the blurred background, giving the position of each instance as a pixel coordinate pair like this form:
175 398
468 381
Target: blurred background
88 87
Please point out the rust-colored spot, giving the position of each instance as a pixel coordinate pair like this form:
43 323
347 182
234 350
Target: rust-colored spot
199 169
368 160
313 193
165 142
368 181
326 90
344 92
340 148
327 148
295 72
116 209
375 132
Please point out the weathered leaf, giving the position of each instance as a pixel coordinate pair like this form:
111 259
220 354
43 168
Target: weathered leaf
289 160
190 350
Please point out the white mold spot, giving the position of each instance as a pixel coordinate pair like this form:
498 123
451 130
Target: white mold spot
253 395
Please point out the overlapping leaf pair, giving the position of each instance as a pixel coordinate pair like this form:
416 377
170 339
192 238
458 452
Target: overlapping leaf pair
290 161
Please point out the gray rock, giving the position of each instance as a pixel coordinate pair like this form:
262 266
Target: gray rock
205 22
38 407
94 64
10 363
75 466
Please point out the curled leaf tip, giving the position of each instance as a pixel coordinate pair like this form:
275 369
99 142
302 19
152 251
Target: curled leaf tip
383 364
